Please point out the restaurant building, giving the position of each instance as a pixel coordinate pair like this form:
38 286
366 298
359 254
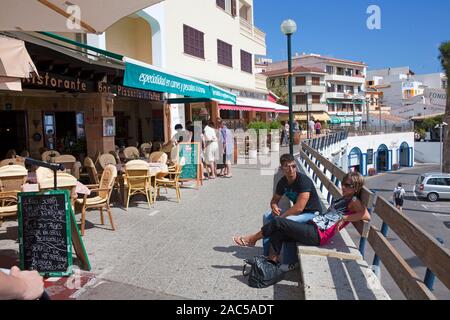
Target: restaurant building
76 104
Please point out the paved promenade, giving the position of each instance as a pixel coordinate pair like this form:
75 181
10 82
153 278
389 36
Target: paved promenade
178 251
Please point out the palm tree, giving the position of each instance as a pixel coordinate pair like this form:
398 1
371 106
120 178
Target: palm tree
445 60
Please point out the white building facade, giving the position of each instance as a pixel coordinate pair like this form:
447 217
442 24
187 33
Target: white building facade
212 41
344 86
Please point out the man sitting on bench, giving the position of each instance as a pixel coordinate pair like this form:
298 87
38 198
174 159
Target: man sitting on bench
301 191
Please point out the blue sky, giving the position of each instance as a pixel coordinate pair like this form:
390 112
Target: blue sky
410 35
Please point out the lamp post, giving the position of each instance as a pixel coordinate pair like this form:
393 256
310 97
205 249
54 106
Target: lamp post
440 126
288 27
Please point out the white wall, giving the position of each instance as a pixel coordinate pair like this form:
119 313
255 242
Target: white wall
215 23
392 141
426 152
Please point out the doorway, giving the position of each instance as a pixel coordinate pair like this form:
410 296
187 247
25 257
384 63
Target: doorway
382 158
404 155
13 132
65 132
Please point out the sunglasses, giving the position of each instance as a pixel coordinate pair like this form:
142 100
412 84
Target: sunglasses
348 185
290 166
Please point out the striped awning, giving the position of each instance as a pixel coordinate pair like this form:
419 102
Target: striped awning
248 104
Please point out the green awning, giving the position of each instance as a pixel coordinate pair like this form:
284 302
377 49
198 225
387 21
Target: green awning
341 120
333 101
144 76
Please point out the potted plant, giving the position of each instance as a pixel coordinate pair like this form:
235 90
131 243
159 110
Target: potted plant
257 126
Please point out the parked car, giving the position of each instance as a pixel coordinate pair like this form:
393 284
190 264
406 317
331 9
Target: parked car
433 186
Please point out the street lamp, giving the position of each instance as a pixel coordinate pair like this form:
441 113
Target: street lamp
288 27
440 126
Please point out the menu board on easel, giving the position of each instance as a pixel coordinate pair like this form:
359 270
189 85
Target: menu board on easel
45 242
191 169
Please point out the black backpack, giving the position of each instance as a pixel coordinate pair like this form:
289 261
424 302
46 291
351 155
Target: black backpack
263 272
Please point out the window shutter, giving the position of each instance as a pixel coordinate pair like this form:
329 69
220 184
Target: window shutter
233 8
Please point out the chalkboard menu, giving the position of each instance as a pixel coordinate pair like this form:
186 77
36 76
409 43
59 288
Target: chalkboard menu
369 156
191 154
44 232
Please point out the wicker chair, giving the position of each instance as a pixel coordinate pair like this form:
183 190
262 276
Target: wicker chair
138 180
8 204
131 153
106 159
158 156
102 199
170 181
49 155
12 177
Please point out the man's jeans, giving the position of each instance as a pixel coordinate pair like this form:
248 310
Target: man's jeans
289 248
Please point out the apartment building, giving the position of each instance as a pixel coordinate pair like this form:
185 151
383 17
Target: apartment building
408 94
344 81
308 89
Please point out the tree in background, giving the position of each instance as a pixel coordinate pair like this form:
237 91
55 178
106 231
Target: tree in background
445 60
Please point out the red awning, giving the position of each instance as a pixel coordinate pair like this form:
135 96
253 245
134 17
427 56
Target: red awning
243 108
247 104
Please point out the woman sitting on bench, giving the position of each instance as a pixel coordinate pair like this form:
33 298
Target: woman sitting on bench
321 228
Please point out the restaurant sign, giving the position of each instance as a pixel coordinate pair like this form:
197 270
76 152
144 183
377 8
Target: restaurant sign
63 83
58 82
122 91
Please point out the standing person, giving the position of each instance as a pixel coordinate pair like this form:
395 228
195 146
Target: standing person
227 147
318 127
311 125
300 190
212 148
398 195
50 137
286 134
181 135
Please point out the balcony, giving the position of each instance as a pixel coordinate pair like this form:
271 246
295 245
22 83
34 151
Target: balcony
336 95
260 82
308 89
317 107
250 31
341 78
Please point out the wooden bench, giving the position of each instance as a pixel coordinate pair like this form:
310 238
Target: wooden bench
337 270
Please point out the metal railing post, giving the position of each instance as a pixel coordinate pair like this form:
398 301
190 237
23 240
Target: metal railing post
376 258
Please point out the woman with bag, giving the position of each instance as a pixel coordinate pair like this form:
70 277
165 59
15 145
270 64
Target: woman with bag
321 228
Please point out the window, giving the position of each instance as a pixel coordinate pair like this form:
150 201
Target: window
357 72
331 88
246 61
316 81
349 89
193 42
224 53
330 107
316 98
282 81
300 99
438 181
300 81
444 84
221 3
349 72
272 83
340 88
330 69
228 6
340 71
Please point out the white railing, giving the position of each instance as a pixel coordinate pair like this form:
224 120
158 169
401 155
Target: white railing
247 29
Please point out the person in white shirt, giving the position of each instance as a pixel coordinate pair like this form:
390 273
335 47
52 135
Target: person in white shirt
181 135
212 148
398 195
311 125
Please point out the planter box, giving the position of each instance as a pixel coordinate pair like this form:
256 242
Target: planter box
275 147
264 150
